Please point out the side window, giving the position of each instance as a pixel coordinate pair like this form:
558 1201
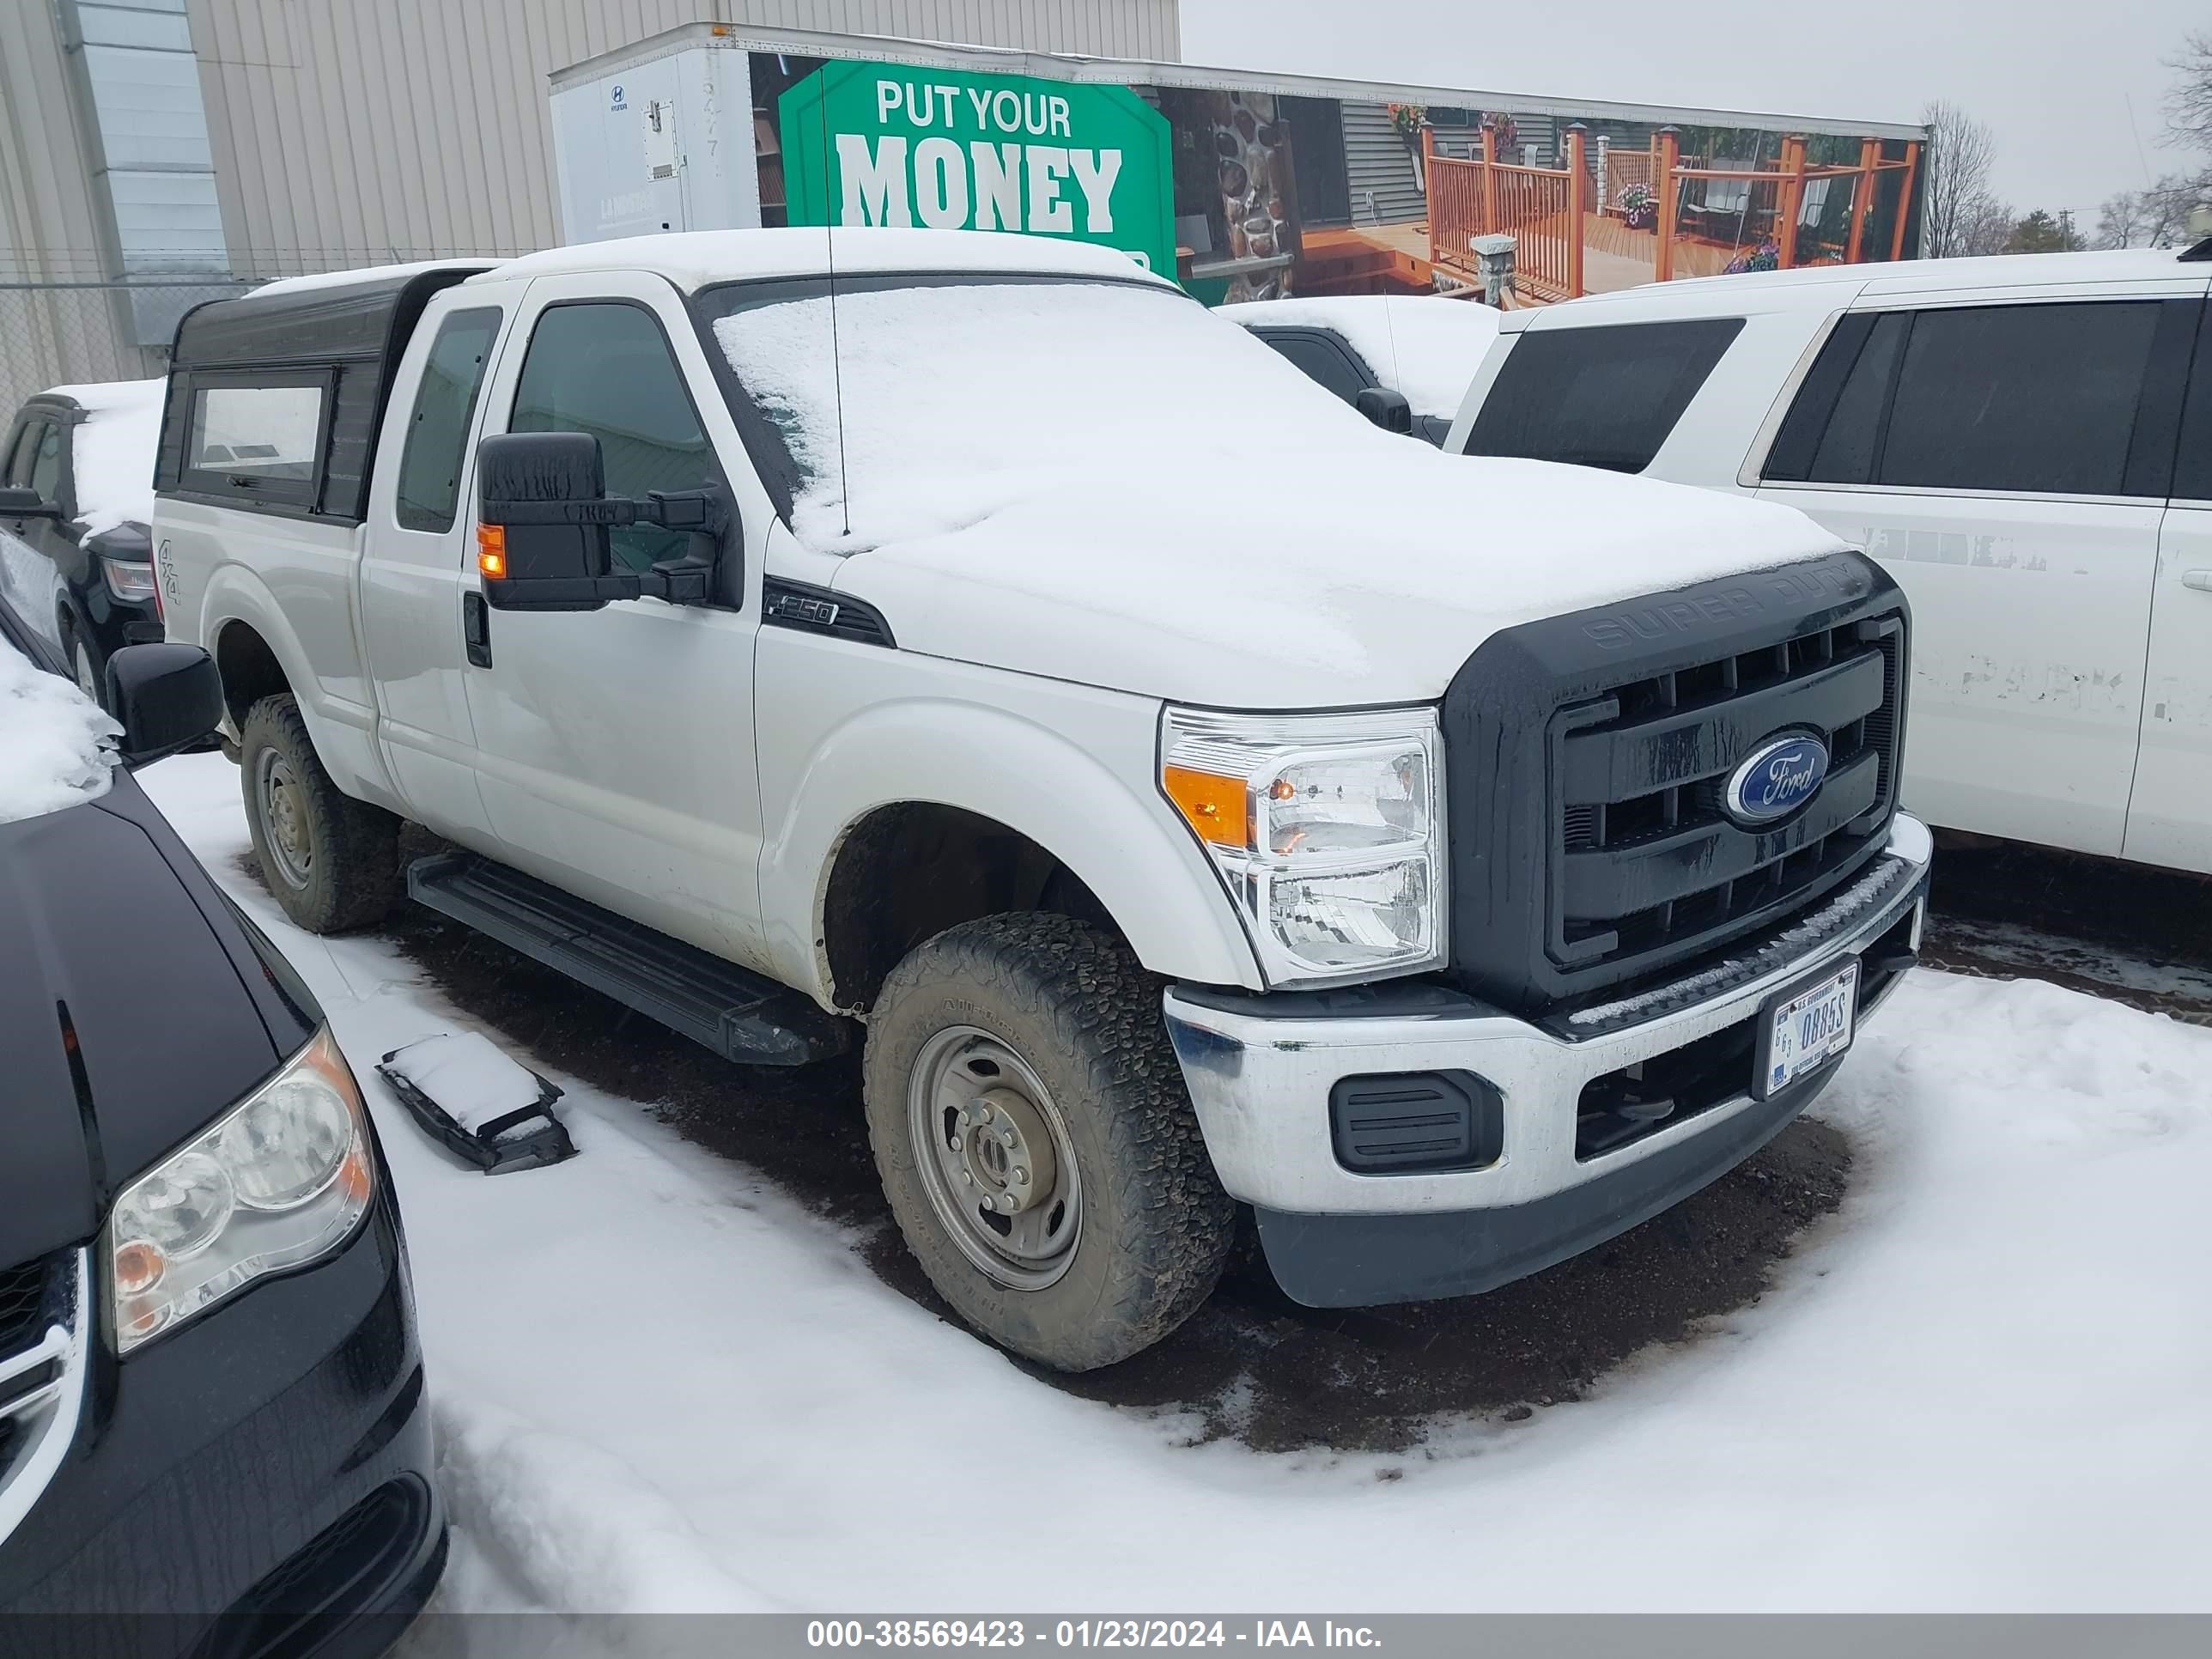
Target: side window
1320 359
1834 422
605 368
258 436
2192 467
16 459
1598 396
2023 397
46 457
431 463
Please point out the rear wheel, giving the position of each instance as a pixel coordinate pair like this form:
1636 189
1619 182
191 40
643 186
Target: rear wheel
331 861
1035 1142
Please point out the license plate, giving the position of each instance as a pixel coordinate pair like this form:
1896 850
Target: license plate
1806 1028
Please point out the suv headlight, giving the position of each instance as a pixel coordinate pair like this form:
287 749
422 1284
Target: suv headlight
1328 831
280 1179
129 579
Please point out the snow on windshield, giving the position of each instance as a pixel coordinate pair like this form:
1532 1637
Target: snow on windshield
960 401
113 452
54 749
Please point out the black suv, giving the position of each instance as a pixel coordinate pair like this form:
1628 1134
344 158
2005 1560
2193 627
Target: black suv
76 572
213 1438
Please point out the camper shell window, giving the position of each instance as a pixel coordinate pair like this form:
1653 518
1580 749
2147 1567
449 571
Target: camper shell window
276 399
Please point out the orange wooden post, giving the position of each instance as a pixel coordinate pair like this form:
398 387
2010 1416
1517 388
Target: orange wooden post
1904 198
1430 185
1792 194
1862 196
1578 196
1490 181
1662 187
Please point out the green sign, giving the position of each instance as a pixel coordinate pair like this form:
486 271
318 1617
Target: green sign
887 144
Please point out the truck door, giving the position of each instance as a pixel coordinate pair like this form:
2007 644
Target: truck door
2170 816
614 747
421 541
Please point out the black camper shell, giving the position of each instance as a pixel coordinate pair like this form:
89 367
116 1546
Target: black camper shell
275 399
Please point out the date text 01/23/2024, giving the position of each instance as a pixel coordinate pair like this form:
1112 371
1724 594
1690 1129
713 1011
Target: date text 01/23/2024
1086 1633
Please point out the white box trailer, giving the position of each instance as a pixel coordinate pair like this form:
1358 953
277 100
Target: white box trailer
665 142
1248 186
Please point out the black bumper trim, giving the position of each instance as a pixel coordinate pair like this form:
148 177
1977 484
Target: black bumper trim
1366 1261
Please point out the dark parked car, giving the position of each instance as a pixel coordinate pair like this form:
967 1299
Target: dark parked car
213 1438
1405 360
77 466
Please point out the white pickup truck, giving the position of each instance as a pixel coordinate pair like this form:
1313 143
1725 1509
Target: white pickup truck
1193 796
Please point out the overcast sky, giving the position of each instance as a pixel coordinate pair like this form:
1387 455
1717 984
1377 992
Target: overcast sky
2073 88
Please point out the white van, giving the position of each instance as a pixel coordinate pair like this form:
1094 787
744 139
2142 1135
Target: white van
2025 443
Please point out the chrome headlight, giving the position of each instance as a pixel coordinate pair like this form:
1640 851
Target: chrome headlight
280 1179
1328 831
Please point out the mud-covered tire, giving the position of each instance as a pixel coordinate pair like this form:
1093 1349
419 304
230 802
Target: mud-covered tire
1075 1007
331 861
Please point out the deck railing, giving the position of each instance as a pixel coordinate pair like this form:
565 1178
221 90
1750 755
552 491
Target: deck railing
1547 210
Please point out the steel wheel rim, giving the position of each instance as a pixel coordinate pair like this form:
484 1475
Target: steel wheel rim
283 819
979 1117
87 681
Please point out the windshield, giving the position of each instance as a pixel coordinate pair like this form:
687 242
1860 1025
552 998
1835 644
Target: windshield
56 747
956 399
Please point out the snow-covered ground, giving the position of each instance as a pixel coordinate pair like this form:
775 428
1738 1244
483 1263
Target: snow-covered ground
662 1384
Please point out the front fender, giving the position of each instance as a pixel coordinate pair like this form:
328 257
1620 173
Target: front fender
344 733
1086 800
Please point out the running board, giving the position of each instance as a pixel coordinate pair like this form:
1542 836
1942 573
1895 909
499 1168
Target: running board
739 1015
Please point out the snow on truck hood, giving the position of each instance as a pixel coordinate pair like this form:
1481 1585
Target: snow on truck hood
1106 483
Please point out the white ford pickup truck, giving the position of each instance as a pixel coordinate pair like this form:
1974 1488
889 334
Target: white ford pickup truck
967 645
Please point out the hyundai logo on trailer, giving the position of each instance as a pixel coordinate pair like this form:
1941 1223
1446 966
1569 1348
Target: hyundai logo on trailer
1776 779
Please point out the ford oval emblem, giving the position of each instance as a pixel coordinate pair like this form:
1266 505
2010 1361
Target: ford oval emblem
1776 779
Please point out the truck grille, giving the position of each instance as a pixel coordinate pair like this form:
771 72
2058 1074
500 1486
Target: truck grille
1588 756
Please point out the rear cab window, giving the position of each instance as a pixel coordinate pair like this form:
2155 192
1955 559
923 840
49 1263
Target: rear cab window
429 487
1604 396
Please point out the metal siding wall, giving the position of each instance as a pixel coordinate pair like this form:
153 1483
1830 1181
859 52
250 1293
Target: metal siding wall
50 225
351 132
1377 164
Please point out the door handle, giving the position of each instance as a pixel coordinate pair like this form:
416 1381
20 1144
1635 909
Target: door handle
2199 580
476 628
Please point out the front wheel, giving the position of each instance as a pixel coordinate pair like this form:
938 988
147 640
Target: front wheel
1036 1143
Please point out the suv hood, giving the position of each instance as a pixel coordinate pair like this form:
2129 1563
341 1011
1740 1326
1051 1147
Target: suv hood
1368 579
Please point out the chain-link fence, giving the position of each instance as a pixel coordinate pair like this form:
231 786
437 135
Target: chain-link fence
59 333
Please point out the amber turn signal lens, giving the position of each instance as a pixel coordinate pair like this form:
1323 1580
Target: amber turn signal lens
491 549
1211 804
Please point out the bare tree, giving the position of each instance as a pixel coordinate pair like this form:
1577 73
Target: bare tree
2155 217
2189 106
1957 211
1985 226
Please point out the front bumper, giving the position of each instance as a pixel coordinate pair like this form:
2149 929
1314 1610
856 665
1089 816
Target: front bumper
256 1482
1261 1071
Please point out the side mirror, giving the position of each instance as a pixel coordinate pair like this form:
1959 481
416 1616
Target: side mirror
1387 409
543 517
20 503
169 697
